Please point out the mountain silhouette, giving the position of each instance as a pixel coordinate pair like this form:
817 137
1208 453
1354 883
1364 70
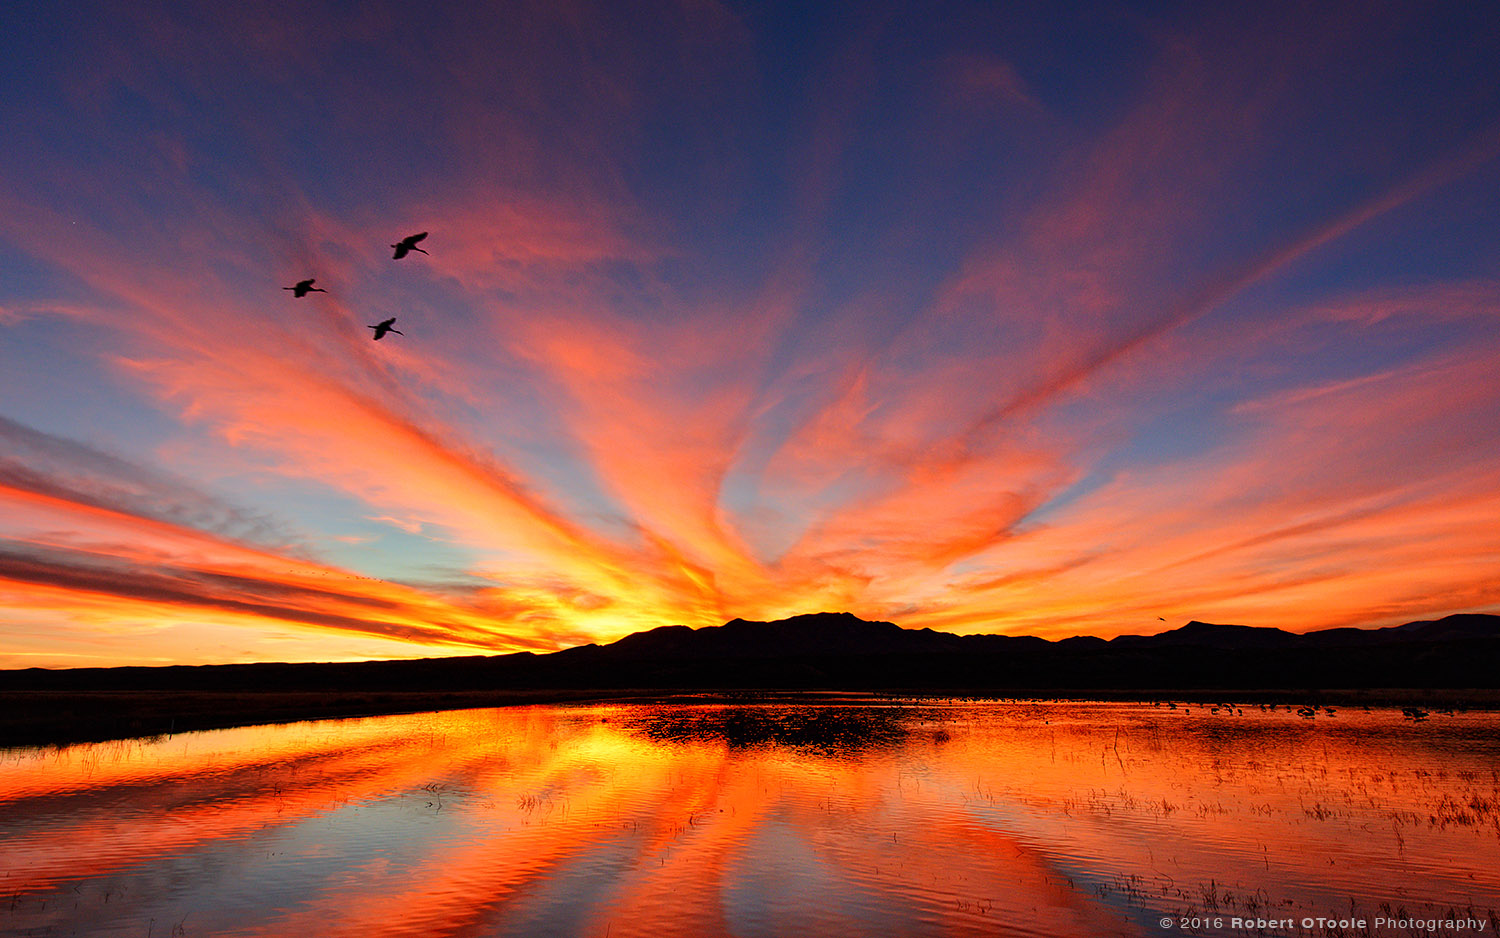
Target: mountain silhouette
844 634
814 634
837 650
1455 656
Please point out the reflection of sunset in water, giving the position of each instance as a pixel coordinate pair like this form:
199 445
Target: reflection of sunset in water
938 818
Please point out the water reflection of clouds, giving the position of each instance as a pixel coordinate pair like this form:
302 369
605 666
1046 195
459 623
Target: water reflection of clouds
702 819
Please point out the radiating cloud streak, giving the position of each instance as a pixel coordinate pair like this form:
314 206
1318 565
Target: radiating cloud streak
61 469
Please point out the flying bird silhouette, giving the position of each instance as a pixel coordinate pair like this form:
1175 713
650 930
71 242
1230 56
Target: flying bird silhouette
304 287
408 244
385 327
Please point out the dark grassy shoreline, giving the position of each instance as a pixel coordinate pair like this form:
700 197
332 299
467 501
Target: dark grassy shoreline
1450 662
50 718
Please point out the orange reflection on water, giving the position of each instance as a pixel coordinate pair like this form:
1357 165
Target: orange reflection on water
929 818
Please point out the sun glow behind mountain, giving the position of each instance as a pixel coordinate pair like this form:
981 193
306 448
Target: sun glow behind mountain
982 321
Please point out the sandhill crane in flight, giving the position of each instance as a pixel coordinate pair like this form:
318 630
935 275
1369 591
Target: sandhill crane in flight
384 327
408 244
304 287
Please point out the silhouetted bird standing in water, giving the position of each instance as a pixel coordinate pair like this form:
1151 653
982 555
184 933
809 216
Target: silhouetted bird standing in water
304 287
408 244
385 327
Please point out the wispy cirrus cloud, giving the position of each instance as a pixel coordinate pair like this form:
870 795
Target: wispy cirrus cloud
64 470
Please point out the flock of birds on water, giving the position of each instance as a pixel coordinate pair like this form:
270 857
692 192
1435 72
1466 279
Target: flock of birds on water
403 247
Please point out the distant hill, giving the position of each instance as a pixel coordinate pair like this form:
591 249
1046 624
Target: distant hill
842 651
1454 658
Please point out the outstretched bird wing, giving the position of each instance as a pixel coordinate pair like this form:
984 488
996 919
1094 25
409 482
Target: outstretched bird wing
407 244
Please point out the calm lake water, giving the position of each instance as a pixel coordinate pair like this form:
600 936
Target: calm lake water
932 817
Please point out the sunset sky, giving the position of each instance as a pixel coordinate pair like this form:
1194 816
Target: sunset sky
1044 319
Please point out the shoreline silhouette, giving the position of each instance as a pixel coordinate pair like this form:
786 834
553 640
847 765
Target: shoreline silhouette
1429 665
